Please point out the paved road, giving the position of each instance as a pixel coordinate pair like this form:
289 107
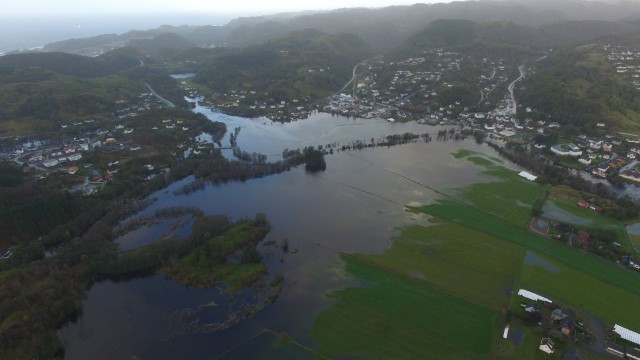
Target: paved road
514 105
353 76
159 97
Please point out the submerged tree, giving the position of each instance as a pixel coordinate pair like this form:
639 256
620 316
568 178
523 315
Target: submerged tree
314 159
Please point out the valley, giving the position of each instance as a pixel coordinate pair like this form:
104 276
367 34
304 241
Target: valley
469 188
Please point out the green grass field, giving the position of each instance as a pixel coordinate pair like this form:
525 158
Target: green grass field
509 196
453 258
270 345
474 218
392 316
610 303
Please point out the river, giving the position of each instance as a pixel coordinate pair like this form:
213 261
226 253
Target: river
356 205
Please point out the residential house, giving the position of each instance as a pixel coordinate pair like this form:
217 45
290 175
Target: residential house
558 315
546 345
582 237
74 157
567 330
50 163
632 175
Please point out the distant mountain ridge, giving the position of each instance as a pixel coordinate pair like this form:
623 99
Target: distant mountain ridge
383 29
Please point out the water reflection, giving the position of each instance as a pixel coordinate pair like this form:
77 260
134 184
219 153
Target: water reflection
354 206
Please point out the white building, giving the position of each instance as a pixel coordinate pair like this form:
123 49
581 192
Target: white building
566 150
546 345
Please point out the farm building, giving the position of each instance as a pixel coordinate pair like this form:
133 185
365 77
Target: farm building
528 176
532 296
633 353
615 349
627 334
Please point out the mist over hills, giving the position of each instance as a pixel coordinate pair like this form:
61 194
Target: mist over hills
310 55
385 28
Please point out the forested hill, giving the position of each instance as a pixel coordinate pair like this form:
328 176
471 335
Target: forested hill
69 64
41 92
299 64
505 34
578 87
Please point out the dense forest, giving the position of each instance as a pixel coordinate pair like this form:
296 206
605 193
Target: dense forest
300 64
577 87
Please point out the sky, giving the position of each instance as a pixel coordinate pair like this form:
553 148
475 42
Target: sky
92 7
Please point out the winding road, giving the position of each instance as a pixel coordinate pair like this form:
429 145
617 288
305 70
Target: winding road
353 76
512 108
158 96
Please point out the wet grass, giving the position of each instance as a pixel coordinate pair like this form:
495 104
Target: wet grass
610 303
393 316
508 196
453 258
477 219
527 349
270 345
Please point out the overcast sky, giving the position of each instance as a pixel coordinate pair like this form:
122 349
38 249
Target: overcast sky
86 7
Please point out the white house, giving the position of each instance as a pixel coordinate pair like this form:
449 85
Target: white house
585 161
546 345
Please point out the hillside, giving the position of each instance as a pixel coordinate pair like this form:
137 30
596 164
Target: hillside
49 100
578 87
499 34
68 64
383 28
162 45
299 64
44 91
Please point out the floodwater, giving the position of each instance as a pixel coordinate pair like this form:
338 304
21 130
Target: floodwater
531 258
552 211
356 205
634 229
178 228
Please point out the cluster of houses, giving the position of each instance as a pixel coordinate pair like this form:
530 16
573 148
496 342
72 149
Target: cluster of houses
590 204
559 323
371 100
602 157
562 324
251 102
626 61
